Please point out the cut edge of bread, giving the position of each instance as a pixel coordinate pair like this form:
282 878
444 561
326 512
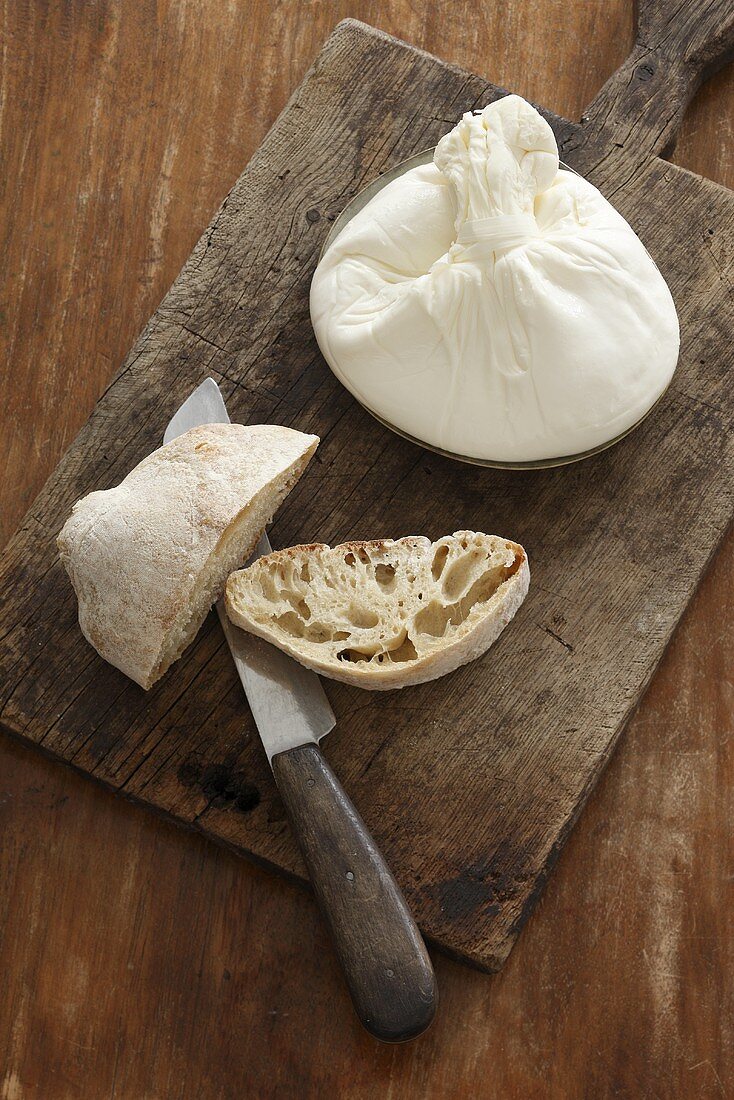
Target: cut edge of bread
235 546
383 614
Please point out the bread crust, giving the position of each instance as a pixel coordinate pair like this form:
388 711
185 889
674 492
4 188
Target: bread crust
149 557
479 621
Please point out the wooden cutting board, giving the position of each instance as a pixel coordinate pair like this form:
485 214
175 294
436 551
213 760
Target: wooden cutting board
470 784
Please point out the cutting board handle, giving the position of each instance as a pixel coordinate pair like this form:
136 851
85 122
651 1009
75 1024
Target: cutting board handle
678 46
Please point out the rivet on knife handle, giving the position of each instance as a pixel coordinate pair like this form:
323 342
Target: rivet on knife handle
383 956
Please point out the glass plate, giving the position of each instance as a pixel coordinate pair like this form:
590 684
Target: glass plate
353 207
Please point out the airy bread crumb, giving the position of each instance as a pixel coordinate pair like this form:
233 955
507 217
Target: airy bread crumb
383 614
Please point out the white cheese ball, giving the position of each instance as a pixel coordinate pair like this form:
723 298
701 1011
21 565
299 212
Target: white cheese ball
494 306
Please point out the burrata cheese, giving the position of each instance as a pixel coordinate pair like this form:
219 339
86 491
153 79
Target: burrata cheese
494 305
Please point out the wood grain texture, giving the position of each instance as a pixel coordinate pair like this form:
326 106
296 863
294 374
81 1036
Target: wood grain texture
632 1001
640 108
499 764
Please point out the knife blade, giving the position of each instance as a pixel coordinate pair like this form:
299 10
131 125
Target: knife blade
384 959
287 701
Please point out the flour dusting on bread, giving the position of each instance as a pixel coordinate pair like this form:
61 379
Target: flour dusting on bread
149 558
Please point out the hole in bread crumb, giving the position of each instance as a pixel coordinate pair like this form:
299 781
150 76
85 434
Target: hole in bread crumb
400 649
291 623
353 655
296 600
435 618
405 652
305 572
461 573
510 570
439 560
362 616
363 556
341 635
349 558
385 576
269 590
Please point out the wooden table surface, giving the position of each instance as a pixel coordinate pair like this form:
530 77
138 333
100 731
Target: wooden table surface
139 961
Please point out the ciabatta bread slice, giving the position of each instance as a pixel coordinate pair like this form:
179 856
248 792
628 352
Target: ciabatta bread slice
149 558
383 614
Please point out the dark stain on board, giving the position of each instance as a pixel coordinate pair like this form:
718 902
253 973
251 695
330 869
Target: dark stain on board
225 787
483 886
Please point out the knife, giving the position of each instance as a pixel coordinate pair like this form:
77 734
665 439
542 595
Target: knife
384 959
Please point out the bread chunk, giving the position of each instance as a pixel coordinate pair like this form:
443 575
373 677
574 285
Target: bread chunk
149 558
383 614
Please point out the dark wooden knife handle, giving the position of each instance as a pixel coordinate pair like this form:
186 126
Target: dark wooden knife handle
383 956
